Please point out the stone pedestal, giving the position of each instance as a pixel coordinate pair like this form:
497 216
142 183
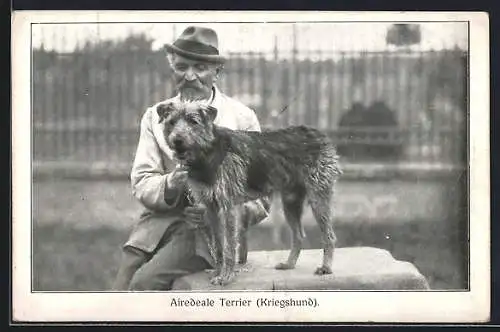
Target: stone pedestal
354 268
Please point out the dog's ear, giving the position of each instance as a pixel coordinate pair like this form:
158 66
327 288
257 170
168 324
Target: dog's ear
163 110
211 112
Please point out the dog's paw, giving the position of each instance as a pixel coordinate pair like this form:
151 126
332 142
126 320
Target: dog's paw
283 266
323 270
222 279
242 268
212 272
214 280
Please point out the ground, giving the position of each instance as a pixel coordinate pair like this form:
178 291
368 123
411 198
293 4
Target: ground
79 228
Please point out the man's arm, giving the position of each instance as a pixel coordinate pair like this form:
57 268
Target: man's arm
151 184
252 122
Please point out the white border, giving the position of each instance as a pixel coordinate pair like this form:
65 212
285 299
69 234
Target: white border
444 307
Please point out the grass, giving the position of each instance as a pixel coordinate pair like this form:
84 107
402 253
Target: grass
79 227
66 258
69 259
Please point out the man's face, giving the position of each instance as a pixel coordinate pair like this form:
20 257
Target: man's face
194 78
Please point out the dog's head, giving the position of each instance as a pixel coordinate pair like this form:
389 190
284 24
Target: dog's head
188 127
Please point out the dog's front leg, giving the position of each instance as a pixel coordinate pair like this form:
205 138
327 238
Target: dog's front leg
213 238
227 236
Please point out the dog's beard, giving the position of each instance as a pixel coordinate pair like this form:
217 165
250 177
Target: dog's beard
180 153
184 156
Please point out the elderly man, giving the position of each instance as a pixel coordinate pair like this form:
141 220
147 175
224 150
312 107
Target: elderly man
167 242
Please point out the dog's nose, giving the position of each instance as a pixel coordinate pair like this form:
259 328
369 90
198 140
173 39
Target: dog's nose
177 142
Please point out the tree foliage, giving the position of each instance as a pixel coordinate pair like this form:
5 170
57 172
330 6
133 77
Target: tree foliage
403 34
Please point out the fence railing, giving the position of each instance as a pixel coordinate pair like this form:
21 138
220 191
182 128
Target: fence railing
378 106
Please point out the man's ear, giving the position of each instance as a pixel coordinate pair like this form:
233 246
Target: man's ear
211 113
218 73
163 110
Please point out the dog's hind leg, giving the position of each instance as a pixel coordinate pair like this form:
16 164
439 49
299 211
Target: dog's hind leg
320 202
293 205
243 247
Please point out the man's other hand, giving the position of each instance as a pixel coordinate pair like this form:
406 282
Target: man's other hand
195 216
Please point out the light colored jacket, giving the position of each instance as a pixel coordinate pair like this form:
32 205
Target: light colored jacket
154 163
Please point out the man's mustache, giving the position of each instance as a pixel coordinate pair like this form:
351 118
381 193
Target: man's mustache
189 85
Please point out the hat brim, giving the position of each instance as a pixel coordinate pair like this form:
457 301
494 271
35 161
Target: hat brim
194 56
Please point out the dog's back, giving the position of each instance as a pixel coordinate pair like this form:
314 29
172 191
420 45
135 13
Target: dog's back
300 163
281 159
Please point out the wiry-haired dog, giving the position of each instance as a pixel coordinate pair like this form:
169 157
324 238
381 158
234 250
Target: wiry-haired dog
227 168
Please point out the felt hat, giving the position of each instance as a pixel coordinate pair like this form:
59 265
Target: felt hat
197 43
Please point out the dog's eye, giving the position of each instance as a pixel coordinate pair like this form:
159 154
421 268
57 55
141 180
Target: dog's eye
192 120
171 122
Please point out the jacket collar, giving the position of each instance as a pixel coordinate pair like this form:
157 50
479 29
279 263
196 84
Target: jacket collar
217 97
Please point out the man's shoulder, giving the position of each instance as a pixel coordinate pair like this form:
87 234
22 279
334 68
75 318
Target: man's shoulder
237 106
246 117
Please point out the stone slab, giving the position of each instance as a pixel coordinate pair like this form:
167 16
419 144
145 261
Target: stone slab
354 268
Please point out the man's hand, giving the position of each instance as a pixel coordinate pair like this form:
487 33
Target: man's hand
256 211
195 216
175 186
178 178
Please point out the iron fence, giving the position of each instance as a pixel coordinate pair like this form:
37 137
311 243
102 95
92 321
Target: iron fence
404 106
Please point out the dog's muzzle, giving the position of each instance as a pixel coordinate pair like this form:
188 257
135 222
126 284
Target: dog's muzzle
179 148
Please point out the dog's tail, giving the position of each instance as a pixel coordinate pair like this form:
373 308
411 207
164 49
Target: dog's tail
330 159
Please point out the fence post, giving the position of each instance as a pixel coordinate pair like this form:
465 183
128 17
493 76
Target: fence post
264 108
340 103
318 97
330 108
277 92
56 77
42 139
250 72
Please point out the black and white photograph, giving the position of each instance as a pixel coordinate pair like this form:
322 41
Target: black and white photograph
240 166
